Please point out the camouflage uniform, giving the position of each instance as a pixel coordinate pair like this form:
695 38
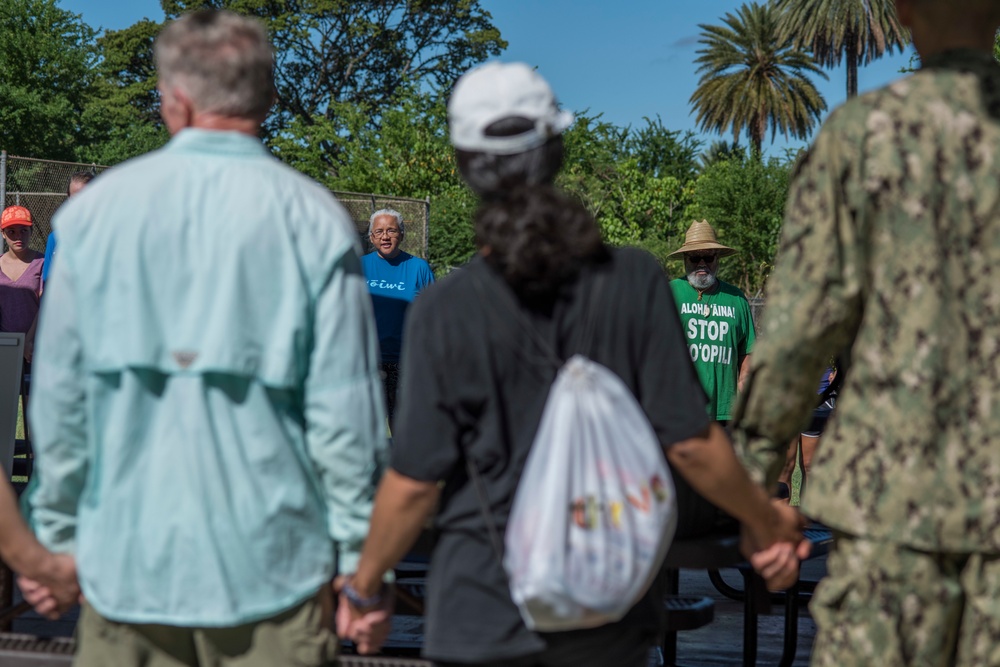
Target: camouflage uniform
891 239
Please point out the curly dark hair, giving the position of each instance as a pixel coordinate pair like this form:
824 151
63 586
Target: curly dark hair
535 236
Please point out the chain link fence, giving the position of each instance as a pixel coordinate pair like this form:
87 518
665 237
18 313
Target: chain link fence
757 304
40 186
416 218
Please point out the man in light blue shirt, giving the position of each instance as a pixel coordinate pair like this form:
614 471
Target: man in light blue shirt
206 406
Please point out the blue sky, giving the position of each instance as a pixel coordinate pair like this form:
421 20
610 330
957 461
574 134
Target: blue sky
626 59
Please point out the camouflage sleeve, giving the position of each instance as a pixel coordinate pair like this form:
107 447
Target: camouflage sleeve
812 311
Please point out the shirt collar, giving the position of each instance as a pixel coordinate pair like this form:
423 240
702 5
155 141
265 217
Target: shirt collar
197 140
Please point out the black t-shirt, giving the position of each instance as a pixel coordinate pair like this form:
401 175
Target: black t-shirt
473 374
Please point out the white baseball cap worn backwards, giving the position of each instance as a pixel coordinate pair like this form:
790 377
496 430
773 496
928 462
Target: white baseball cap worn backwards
494 91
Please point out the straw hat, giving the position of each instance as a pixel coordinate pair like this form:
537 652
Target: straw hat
701 236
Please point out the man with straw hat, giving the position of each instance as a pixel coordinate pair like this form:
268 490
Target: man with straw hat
717 320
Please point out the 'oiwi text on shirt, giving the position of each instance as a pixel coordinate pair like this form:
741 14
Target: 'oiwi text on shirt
384 284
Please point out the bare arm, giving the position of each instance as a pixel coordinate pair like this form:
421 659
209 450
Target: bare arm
709 463
744 370
53 576
402 507
18 545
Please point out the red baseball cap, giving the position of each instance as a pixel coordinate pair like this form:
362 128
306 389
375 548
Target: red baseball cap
15 215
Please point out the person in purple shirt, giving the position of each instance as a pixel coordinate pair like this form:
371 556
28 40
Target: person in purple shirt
20 277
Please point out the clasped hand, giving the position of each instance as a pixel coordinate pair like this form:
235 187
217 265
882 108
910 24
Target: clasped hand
776 549
368 628
53 589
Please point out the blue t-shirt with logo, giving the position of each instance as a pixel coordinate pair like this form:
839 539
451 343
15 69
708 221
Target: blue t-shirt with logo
394 284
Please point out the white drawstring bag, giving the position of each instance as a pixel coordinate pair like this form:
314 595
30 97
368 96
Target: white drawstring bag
595 509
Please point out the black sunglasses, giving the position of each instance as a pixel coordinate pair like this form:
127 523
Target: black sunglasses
697 259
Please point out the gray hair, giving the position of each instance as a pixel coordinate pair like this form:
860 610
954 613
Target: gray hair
221 60
387 211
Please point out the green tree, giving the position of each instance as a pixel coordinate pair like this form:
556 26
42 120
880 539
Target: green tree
593 148
852 31
753 78
721 150
452 235
662 152
636 183
744 200
46 60
122 118
408 153
335 57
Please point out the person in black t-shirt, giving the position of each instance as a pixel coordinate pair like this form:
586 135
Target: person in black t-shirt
472 387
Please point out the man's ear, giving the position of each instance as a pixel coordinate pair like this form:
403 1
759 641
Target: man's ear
176 108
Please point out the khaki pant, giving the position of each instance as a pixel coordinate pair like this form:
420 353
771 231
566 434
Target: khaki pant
887 605
301 636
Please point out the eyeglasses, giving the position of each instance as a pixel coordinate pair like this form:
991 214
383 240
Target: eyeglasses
698 259
379 233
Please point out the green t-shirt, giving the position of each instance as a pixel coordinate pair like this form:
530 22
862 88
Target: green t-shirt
719 332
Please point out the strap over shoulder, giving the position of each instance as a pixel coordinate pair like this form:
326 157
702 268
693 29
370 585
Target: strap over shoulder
590 294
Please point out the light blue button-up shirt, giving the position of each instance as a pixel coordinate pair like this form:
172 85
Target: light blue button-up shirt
206 407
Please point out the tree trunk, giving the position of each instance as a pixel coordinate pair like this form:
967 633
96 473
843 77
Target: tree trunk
851 44
758 128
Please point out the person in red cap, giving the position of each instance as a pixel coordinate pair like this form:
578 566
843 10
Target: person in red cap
20 277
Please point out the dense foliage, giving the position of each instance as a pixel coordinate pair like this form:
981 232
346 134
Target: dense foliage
46 73
361 90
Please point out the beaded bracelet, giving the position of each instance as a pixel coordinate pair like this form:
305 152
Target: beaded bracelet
359 602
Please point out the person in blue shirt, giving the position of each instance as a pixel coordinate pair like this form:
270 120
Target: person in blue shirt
395 278
76 183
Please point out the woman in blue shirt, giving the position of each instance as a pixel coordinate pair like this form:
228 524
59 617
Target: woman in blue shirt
395 278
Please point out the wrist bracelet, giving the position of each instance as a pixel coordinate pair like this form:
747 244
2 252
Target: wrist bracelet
356 600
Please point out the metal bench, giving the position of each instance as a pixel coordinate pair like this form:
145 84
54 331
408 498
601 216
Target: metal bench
712 552
822 540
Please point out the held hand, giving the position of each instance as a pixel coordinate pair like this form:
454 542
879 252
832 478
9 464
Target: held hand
367 628
779 563
40 597
783 524
54 588
775 546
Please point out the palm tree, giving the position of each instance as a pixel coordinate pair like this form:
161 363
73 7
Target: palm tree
752 78
858 31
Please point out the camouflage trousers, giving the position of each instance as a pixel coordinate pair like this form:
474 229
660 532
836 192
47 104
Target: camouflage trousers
887 605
